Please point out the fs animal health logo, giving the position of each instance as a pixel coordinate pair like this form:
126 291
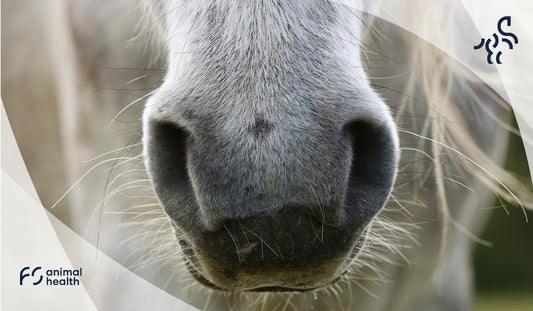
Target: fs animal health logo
494 42
50 277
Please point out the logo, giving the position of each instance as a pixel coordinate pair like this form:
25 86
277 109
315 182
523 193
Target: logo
51 277
493 42
23 275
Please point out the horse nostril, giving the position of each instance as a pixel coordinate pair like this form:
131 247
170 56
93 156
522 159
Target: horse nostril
165 155
373 168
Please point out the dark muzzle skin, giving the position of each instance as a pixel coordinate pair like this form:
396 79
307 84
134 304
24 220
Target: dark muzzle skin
288 248
285 252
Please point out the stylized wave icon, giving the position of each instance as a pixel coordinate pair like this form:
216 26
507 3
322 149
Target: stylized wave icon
504 34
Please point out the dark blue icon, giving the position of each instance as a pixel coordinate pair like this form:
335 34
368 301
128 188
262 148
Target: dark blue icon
492 42
24 275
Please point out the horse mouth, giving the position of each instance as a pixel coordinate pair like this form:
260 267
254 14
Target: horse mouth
232 280
265 289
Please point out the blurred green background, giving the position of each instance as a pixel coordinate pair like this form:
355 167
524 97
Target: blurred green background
504 272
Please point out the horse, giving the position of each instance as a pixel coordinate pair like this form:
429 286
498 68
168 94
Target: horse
289 155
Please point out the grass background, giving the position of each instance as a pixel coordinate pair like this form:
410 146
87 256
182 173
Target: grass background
519 301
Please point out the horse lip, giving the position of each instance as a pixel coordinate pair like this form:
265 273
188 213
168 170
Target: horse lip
280 289
301 289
